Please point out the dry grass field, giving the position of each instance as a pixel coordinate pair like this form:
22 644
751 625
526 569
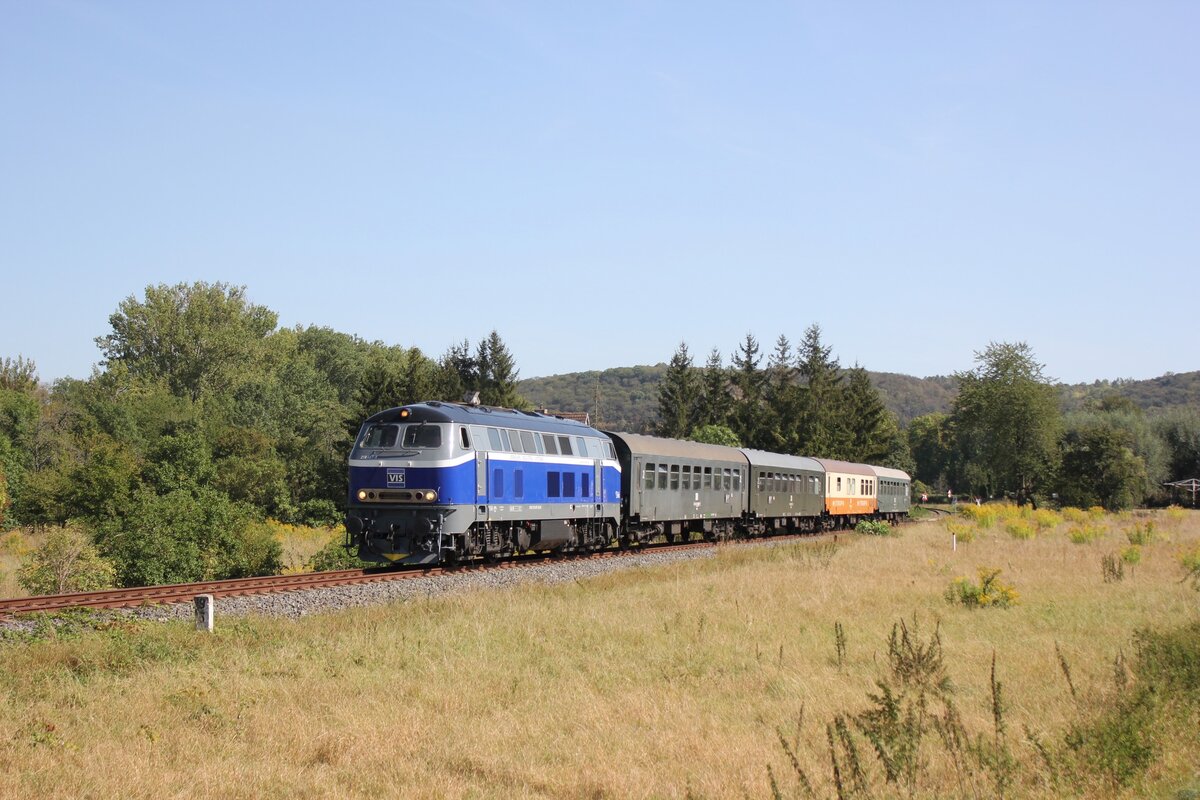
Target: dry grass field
678 681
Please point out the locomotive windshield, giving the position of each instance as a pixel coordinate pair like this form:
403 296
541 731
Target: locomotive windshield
423 436
388 437
381 436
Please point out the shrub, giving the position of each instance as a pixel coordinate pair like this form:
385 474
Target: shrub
989 592
67 561
962 531
874 528
1083 533
1140 534
334 555
1132 555
1020 529
1045 519
1072 514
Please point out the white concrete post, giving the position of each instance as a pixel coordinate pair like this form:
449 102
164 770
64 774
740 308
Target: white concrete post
204 612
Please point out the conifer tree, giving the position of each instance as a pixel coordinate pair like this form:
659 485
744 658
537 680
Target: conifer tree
747 420
714 392
820 421
678 396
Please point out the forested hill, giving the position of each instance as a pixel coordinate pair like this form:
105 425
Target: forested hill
627 397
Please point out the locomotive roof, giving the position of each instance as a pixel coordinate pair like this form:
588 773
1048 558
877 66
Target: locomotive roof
891 474
762 458
434 411
676 448
845 467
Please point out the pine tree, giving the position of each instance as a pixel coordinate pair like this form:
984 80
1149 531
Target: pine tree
820 421
747 420
871 428
714 392
498 374
781 397
678 396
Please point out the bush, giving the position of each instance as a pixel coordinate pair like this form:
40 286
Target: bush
1083 533
990 592
319 513
1020 529
961 531
1191 565
874 528
186 536
335 555
67 561
1140 534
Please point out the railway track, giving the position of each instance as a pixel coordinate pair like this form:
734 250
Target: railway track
238 587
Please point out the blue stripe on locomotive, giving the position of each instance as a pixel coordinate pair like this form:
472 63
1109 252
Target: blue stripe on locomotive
455 485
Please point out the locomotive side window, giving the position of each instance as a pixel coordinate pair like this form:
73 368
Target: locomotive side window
515 438
378 436
423 436
564 445
552 484
497 483
494 439
505 442
609 451
649 476
551 449
519 484
581 448
585 485
568 481
527 442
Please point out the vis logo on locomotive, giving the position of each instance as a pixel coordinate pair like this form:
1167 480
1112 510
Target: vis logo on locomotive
395 477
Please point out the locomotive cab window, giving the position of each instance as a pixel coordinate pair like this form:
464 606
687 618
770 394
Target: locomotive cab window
381 436
466 440
423 436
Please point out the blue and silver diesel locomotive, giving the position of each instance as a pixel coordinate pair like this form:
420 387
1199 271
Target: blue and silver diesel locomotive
434 482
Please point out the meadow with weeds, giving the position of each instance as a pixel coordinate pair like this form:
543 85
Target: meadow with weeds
794 670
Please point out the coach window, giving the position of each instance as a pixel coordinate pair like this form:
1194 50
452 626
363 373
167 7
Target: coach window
505 441
662 477
568 479
760 482
494 439
674 477
686 481
708 478
551 448
649 476
564 445
839 483
737 480
552 483
728 479
519 484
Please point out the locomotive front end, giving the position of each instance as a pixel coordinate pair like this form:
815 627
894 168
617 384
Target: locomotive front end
412 486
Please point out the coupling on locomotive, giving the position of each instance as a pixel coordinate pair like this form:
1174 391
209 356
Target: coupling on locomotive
438 482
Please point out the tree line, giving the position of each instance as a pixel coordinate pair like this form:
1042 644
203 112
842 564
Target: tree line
1006 435
203 420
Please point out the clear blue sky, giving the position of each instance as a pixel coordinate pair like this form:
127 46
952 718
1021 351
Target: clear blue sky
601 181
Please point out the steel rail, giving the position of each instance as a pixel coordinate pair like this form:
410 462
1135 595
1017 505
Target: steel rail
238 587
